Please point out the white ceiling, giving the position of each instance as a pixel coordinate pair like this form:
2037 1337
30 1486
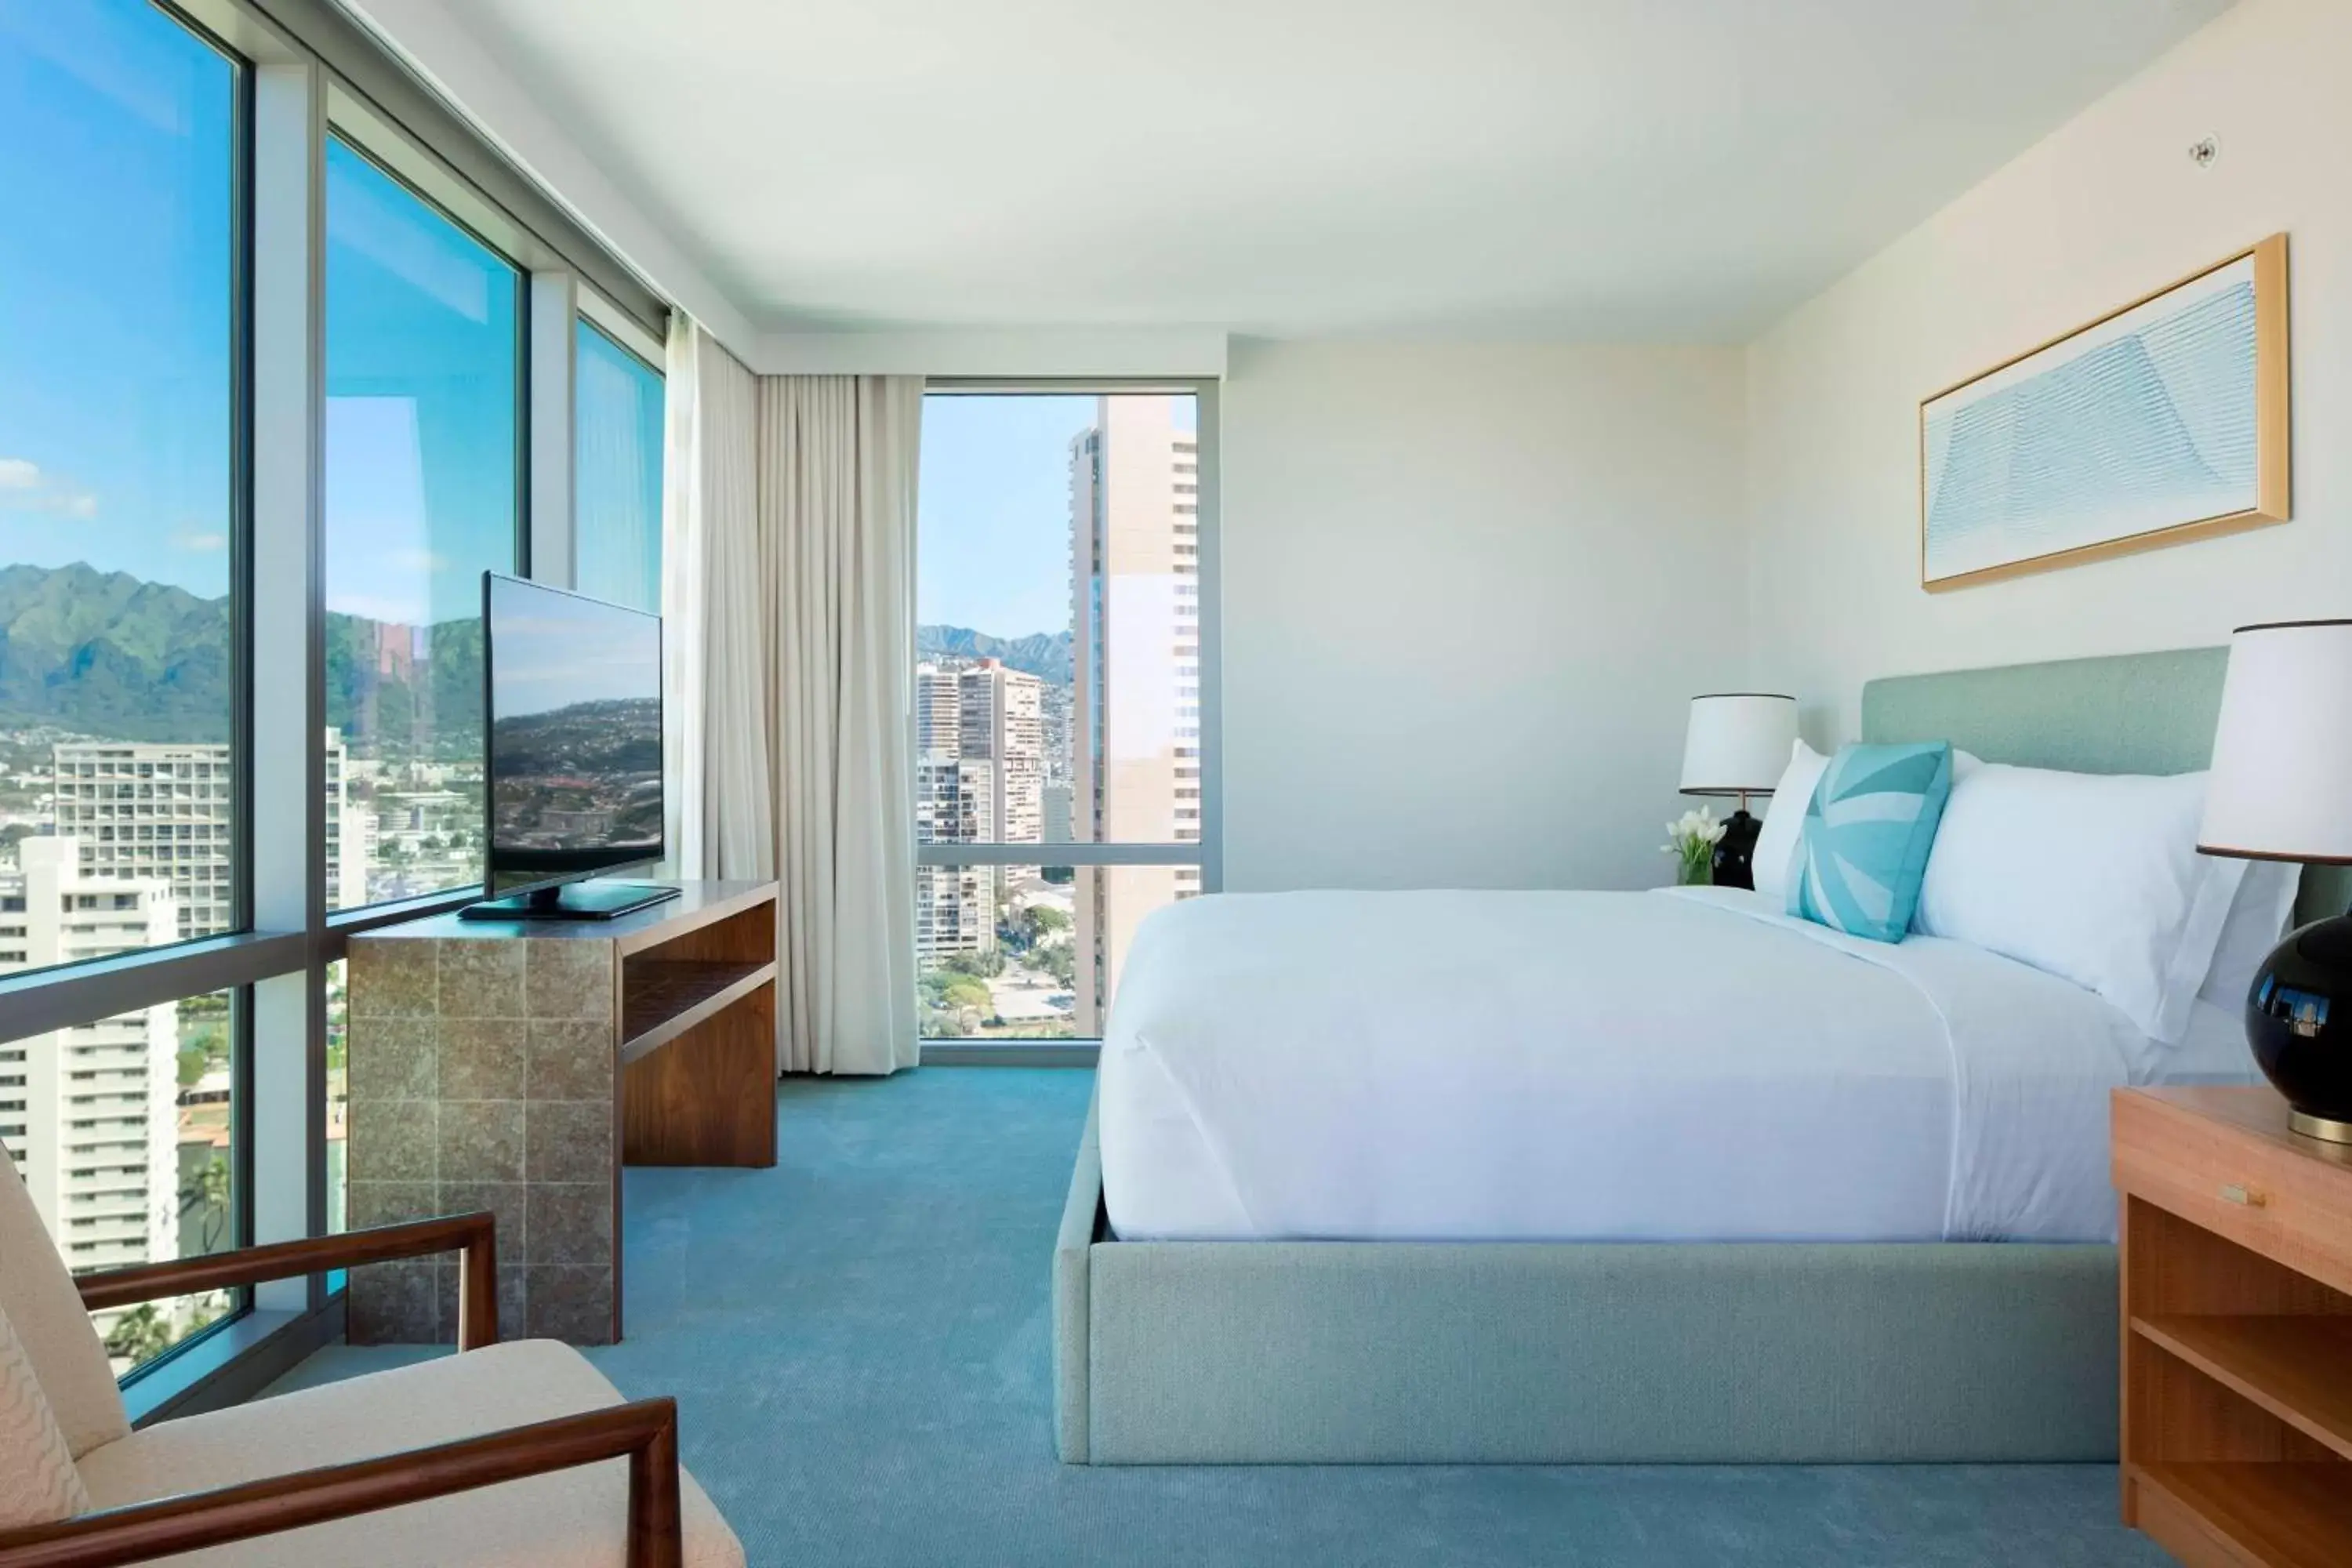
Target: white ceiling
1615 170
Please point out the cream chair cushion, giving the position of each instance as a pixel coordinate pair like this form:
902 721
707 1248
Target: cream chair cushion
39 1297
39 1483
570 1519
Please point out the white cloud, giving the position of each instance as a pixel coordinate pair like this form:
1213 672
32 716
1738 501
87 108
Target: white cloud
57 503
202 542
419 560
25 488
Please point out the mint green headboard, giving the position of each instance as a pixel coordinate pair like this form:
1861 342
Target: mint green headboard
2129 713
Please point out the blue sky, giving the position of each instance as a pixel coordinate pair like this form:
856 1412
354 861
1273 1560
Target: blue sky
421 361
616 404
115 156
114 284
994 529
995 526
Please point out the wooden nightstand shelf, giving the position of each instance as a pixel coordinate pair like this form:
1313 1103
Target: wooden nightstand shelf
2237 1329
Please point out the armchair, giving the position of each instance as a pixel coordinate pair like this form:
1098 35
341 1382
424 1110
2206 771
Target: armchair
503 1454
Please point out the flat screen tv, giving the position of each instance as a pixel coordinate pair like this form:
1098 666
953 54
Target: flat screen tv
573 773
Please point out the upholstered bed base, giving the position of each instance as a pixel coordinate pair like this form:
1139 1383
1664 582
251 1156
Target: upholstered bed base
1235 1352
1343 1353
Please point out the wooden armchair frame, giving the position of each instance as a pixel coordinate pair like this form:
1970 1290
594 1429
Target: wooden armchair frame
644 1432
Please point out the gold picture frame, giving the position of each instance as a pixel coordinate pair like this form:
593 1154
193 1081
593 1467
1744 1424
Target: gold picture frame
2162 381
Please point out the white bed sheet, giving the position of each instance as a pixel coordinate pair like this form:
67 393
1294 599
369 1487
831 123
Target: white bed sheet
1683 1066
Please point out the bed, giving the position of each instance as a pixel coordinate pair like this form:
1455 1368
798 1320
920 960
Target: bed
1781 1222
1688 1064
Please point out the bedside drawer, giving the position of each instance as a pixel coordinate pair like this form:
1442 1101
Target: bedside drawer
2288 1202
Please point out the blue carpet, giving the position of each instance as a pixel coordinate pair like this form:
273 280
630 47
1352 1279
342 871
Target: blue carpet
858 1341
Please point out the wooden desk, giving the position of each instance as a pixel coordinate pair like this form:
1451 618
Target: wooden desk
2237 1329
514 1065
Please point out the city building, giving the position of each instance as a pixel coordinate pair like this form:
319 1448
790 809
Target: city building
168 813
88 1113
954 905
1135 561
980 778
1001 723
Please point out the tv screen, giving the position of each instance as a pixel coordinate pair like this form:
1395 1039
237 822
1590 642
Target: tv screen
574 771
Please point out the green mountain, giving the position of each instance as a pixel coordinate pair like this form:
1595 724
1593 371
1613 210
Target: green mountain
1045 655
390 687
106 654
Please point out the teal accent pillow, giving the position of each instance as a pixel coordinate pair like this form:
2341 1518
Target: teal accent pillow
1863 851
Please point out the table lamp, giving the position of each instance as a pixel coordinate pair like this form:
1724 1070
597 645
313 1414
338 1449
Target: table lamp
1737 745
2280 790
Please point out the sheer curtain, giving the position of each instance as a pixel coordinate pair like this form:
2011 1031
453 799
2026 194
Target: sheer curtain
788 537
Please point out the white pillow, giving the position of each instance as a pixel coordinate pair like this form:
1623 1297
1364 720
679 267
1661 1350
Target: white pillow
1784 820
2258 916
38 1482
2093 878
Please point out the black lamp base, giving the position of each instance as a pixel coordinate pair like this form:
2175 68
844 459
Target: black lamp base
2299 1024
1734 852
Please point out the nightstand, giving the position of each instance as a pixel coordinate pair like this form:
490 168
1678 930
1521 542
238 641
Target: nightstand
2237 1329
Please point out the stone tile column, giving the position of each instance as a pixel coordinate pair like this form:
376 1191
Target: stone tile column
482 1069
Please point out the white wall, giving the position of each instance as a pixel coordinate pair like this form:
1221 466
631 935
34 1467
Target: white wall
2106 208
1467 594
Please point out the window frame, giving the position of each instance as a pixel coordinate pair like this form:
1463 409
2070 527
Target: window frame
1207 852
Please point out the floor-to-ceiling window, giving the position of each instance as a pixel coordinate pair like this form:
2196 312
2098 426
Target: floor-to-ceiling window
422 486
617 465
120 624
1064 763
263 423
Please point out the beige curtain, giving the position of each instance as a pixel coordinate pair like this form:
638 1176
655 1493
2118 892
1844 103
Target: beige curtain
716 630
788 602
838 459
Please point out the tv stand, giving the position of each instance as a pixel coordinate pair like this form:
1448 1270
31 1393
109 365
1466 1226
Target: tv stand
593 900
517 1065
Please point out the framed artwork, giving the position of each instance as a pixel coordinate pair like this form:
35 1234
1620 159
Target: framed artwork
2160 423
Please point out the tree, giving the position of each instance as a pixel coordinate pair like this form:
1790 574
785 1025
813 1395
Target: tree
207 1191
141 1334
980 966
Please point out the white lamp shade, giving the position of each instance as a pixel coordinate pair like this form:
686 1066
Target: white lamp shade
2281 782
1738 743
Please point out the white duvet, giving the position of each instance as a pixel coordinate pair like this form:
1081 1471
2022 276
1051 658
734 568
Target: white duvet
1682 1066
